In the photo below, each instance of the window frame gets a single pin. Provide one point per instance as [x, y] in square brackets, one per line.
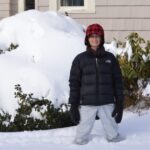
[21, 5]
[71, 5]
[89, 7]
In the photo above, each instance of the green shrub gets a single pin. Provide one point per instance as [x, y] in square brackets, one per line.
[10, 48]
[51, 117]
[136, 69]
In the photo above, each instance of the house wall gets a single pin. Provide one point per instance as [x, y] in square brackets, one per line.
[4, 9]
[42, 5]
[13, 7]
[118, 17]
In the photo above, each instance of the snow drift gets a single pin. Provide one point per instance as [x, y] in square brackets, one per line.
[48, 41]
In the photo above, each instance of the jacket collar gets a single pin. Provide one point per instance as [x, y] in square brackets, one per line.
[100, 51]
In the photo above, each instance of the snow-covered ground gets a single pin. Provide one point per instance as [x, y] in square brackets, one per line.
[135, 128]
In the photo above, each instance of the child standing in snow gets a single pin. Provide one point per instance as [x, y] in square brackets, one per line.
[96, 88]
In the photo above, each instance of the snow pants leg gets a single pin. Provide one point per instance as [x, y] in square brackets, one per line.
[87, 119]
[108, 122]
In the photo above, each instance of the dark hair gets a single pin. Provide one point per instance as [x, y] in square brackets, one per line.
[86, 42]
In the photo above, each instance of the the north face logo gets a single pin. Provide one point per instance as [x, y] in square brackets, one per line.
[107, 61]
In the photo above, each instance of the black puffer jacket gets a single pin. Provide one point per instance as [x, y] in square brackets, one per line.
[95, 78]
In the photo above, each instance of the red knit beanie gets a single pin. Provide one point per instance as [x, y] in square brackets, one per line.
[94, 29]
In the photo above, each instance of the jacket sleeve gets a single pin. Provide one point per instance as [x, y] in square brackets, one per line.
[117, 81]
[74, 82]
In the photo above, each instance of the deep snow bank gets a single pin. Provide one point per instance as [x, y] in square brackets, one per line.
[48, 42]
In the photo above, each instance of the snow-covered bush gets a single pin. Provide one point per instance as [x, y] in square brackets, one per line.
[48, 42]
[136, 70]
[34, 114]
[10, 48]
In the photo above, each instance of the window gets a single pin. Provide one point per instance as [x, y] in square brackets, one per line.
[72, 3]
[72, 6]
[29, 4]
[25, 5]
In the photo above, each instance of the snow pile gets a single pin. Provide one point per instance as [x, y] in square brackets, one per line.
[48, 42]
[135, 128]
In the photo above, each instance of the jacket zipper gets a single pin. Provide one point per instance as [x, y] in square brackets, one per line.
[97, 78]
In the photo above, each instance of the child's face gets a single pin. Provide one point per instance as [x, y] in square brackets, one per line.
[94, 40]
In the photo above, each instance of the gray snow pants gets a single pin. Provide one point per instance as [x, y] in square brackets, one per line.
[87, 118]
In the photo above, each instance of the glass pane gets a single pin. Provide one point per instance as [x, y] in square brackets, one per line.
[72, 2]
[29, 4]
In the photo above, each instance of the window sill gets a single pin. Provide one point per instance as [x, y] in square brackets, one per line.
[77, 10]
